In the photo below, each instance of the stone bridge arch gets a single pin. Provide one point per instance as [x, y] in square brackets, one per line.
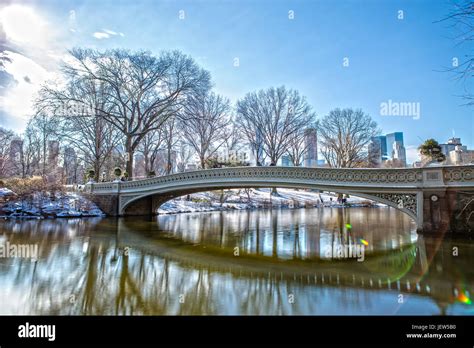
[148, 203]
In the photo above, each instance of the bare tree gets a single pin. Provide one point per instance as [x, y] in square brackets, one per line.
[6, 137]
[142, 90]
[31, 150]
[298, 146]
[204, 122]
[184, 155]
[344, 135]
[171, 136]
[71, 167]
[233, 143]
[461, 18]
[271, 118]
[150, 147]
[45, 128]
[81, 125]
[162, 144]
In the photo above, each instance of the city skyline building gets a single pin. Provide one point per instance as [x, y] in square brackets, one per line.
[456, 153]
[70, 166]
[53, 153]
[375, 151]
[311, 145]
[286, 161]
[399, 153]
[388, 147]
[15, 157]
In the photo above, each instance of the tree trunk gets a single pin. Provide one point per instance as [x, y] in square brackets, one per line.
[44, 157]
[97, 172]
[129, 163]
[168, 161]
[147, 162]
[129, 167]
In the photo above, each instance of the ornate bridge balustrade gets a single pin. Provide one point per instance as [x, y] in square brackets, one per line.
[432, 196]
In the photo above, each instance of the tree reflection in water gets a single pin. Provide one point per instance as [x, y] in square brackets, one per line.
[184, 264]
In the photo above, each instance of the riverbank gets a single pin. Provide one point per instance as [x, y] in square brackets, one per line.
[60, 205]
[72, 205]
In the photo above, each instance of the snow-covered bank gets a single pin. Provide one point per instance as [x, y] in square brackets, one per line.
[61, 205]
[71, 204]
[261, 198]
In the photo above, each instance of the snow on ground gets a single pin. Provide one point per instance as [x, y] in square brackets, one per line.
[73, 205]
[65, 205]
[257, 198]
[4, 192]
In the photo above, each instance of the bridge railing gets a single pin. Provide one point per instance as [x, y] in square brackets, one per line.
[417, 177]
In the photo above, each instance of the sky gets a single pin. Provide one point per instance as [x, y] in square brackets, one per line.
[366, 54]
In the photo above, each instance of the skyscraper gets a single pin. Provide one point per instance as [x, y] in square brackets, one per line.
[446, 148]
[53, 153]
[70, 166]
[392, 138]
[15, 157]
[399, 153]
[285, 161]
[382, 141]
[311, 145]
[387, 147]
[456, 153]
[397, 149]
[375, 152]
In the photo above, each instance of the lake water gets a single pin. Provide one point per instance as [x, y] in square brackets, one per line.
[319, 261]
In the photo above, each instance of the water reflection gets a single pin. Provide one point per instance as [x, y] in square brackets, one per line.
[292, 234]
[186, 264]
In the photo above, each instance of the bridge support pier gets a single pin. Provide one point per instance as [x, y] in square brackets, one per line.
[109, 204]
[444, 211]
[144, 206]
[435, 211]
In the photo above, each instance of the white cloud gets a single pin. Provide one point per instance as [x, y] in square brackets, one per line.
[18, 100]
[106, 34]
[35, 48]
[100, 35]
[412, 154]
[111, 32]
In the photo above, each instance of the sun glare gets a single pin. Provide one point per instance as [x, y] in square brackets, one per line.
[23, 25]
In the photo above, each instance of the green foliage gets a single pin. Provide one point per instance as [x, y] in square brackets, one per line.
[91, 173]
[431, 149]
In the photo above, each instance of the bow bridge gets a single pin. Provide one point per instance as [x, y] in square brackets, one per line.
[437, 198]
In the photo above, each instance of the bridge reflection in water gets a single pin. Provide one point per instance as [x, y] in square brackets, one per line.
[186, 264]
